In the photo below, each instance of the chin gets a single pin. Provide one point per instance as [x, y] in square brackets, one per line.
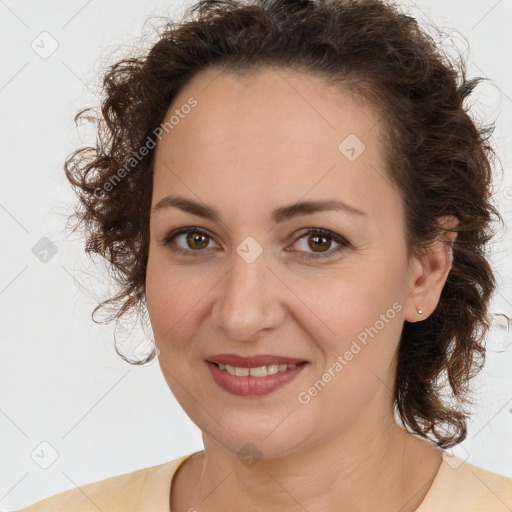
[257, 443]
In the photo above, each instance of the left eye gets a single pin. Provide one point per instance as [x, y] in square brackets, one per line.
[319, 239]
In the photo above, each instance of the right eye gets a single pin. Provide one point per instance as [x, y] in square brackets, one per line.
[195, 237]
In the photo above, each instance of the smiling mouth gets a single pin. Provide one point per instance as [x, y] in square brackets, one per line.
[257, 371]
[254, 381]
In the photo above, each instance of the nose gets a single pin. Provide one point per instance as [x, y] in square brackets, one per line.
[248, 301]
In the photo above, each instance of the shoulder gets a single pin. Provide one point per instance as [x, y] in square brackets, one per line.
[465, 487]
[129, 492]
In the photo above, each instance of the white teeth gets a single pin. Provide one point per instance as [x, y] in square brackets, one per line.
[259, 371]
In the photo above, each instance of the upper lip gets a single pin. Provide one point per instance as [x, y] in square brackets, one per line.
[253, 361]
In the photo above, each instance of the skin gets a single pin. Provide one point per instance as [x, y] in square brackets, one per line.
[254, 143]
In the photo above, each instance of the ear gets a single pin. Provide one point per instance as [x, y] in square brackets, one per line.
[428, 274]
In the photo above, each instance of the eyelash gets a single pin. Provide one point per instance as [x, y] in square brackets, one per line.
[310, 256]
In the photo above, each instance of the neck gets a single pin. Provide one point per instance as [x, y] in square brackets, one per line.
[386, 469]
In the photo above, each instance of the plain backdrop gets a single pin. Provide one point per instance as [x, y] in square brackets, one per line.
[71, 410]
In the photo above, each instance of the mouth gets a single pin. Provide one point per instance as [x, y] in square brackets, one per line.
[248, 378]
[253, 361]
[256, 371]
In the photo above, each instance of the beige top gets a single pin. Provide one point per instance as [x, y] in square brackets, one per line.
[457, 487]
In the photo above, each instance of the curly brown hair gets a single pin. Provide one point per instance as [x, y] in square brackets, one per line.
[437, 157]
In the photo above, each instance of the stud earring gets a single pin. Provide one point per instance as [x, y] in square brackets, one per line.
[419, 311]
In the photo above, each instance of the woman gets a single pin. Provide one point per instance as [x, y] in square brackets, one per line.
[297, 195]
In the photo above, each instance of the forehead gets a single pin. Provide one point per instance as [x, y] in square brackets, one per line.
[271, 137]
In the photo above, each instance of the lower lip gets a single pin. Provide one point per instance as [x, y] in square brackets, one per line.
[252, 386]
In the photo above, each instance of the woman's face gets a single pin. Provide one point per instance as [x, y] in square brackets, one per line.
[248, 284]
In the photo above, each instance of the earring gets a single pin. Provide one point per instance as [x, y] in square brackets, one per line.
[419, 311]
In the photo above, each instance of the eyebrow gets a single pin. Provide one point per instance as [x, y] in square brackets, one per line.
[281, 214]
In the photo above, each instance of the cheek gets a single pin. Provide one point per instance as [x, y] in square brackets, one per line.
[353, 321]
[339, 305]
[358, 366]
[169, 298]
